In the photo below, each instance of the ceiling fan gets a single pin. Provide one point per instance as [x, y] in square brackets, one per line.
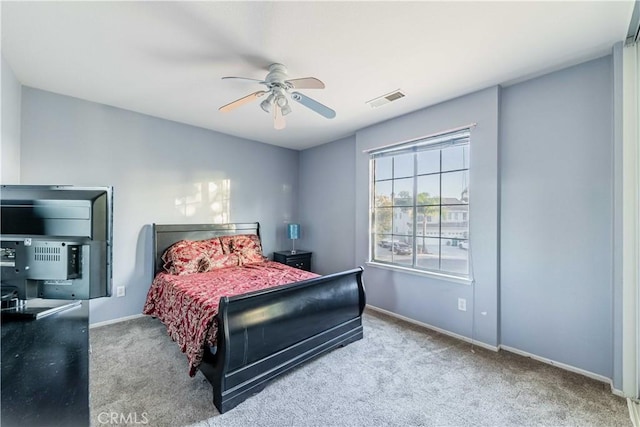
[279, 90]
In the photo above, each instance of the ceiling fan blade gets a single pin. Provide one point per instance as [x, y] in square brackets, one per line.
[314, 105]
[244, 78]
[305, 83]
[278, 119]
[242, 101]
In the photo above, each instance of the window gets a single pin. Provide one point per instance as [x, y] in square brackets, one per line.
[420, 204]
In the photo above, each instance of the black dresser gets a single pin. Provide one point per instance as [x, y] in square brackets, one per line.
[45, 370]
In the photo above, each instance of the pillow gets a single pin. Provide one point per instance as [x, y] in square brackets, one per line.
[246, 246]
[191, 256]
[250, 256]
[225, 242]
[221, 261]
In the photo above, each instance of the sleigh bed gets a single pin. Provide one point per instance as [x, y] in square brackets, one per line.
[241, 340]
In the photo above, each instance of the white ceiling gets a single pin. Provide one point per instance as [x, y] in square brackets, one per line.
[166, 59]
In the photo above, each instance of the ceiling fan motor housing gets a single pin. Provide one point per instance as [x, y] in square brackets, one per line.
[277, 75]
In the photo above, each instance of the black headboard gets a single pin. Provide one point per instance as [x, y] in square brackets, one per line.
[165, 235]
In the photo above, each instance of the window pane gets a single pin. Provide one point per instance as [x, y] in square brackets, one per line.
[428, 162]
[403, 221]
[457, 219]
[455, 187]
[420, 210]
[403, 192]
[401, 253]
[382, 240]
[455, 257]
[454, 158]
[428, 190]
[382, 220]
[381, 249]
[454, 227]
[383, 193]
[383, 168]
[428, 221]
[428, 253]
[403, 166]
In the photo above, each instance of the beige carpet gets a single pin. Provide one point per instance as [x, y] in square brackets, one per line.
[398, 375]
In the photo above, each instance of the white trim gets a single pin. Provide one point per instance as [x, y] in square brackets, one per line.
[634, 412]
[551, 362]
[561, 365]
[424, 273]
[433, 328]
[617, 392]
[114, 321]
[630, 224]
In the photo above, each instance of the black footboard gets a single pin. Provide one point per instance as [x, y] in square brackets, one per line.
[266, 333]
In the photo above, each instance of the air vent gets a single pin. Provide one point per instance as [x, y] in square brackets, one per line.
[385, 99]
[45, 253]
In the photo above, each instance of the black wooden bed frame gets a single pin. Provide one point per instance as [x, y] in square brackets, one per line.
[264, 334]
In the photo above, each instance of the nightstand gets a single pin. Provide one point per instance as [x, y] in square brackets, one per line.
[301, 259]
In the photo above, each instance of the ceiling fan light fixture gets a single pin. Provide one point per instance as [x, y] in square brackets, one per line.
[282, 102]
[267, 103]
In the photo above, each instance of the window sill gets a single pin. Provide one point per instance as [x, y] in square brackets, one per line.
[432, 275]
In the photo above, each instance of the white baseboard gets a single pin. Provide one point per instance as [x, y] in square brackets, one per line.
[503, 347]
[618, 392]
[634, 412]
[433, 328]
[561, 365]
[113, 321]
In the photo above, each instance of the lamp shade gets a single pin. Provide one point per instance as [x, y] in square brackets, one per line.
[293, 231]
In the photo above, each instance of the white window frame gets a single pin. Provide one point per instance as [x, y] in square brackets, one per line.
[441, 141]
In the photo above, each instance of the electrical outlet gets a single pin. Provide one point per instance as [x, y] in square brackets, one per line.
[120, 291]
[462, 304]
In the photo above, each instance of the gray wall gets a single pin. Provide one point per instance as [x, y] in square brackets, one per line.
[541, 203]
[327, 206]
[541, 212]
[425, 298]
[10, 146]
[338, 173]
[556, 229]
[153, 165]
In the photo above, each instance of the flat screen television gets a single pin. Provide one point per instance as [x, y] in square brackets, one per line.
[55, 243]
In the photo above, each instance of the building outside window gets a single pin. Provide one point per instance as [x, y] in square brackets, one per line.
[420, 204]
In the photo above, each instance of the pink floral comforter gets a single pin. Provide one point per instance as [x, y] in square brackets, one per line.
[188, 304]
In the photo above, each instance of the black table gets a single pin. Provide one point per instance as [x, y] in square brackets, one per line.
[45, 370]
[300, 259]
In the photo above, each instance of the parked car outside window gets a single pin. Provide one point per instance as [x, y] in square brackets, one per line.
[400, 248]
[386, 243]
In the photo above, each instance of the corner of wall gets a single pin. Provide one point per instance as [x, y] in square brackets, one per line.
[11, 124]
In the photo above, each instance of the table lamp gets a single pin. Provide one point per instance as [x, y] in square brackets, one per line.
[293, 233]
